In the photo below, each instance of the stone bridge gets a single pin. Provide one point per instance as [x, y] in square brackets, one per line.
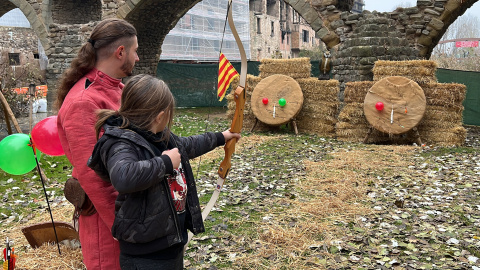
[356, 40]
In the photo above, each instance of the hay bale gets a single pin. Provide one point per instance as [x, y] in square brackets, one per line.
[316, 127]
[447, 95]
[448, 137]
[439, 113]
[318, 118]
[353, 113]
[452, 92]
[319, 109]
[349, 132]
[438, 125]
[320, 105]
[319, 90]
[420, 71]
[352, 125]
[356, 91]
[295, 67]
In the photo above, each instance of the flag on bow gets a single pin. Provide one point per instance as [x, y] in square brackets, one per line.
[226, 74]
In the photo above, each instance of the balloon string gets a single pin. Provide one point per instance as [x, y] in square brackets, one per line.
[45, 192]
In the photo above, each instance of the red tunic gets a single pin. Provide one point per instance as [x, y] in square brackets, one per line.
[76, 122]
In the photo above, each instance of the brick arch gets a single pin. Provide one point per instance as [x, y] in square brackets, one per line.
[153, 19]
[35, 21]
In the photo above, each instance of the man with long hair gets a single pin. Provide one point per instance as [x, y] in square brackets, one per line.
[93, 82]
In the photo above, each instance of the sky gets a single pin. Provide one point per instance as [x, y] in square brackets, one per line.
[390, 5]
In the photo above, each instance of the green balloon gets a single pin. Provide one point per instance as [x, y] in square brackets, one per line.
[16, 156]
[282, 102]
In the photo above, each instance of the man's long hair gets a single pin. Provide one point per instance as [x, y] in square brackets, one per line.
[104, 40]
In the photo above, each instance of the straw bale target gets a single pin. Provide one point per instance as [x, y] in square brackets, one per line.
[395, 105]
[267, 94]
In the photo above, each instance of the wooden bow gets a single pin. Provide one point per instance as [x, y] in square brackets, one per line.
[237, 122]
[239, 97]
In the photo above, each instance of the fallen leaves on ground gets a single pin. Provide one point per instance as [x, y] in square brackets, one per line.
[304, 202]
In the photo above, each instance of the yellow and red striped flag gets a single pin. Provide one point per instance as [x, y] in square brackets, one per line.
[226, 74]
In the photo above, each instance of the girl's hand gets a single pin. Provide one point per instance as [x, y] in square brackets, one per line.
[229, 135]
[174, 156]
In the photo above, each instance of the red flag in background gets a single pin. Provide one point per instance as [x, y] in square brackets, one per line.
[226, 74]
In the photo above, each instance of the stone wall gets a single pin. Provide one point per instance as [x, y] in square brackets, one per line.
[23, 41]
[18, 39]
[75, 12]
[66, 40]
[373, 36]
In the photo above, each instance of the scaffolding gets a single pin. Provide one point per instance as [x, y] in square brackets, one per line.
[198, 34]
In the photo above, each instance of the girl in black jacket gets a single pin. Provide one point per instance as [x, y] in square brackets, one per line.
[149, 167]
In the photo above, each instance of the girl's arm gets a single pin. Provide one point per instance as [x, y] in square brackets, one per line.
[130, 174]
[198, 145]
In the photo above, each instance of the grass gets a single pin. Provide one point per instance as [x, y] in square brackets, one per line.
[288, 198]
[442, 151]
[25, 190]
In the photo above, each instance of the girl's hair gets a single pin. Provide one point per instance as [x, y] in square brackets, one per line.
[143, 98]
[105, 38]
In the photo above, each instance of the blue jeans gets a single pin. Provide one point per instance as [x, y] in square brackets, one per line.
[128, 262]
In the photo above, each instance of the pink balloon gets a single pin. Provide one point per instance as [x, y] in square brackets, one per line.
[45, 137]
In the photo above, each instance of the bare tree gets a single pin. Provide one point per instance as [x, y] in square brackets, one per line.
[403, 4]
[449, 56]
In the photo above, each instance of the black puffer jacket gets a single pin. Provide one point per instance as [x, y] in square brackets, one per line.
[145, 217]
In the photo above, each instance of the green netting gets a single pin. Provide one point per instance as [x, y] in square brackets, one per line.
[471, 114]
[195, 85]
[316, 69]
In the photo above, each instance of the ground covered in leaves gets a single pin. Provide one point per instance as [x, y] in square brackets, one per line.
[299, 202]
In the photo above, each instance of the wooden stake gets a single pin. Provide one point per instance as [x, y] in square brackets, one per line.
[7, 120]
[10, 113]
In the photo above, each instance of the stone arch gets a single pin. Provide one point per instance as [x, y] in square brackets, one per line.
[440, 23]
[75, 12]
[357, 40]
[316, 21]
[35, 21]
[332, 20]
[6, 6]
[147, 16]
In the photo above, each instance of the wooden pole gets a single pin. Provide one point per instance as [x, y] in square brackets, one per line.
[7, 120]
[30, 113]
[9, 112]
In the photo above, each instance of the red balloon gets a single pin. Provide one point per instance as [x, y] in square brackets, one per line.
[379, 106]
[45, 137]
[265, 100]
